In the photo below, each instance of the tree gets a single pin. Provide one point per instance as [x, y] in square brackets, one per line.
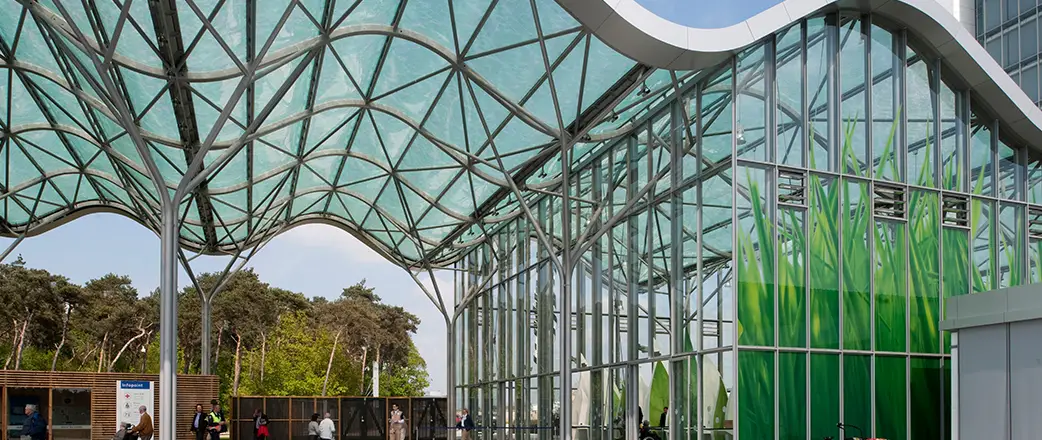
[410, 379]
[287, 344]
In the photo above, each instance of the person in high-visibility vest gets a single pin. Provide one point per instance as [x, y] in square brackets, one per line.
[215, 422]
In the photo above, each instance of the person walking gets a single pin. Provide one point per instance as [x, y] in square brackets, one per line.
[397, 424]
[326, 429]
[35, 426]
[465, 423]
[215, 422]
[256, 423]
[144, 429]
[199, 423]
[313, 427]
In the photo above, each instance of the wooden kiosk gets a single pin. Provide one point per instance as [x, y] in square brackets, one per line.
[82, 405]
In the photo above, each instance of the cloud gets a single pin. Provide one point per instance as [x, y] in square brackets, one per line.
[332, 238]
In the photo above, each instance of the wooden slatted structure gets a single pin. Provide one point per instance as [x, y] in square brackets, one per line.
[356, 418]
[191, 390]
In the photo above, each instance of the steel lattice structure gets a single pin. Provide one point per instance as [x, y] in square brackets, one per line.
[412, 126]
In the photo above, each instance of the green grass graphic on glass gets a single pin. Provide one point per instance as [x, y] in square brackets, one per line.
[756, 394]
[756, 274]
[824, 259]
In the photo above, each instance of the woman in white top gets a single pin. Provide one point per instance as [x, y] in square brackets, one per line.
[313, 427]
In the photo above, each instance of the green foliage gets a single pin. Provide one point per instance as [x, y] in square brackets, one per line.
[284, 341]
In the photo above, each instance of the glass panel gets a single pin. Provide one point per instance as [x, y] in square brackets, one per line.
[1011, 241]
[756, 394]
[750, 128]
[857, 264]
[70, 418]
[891, 398]
[983, 245]
[824, 395]
[1007, 180]
[857, 392]
[818, 61]
[792, 395]
[926, 397]
[952, 154]
[920, 131]
[852, 79]
[886, 112]
[891, 282]
[924, 272]
[824, 258]
[755, 261]
[789, 82]
[792, 294]
[17, 399]
[980, 156]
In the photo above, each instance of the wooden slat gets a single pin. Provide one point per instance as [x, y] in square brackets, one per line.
[191, 390]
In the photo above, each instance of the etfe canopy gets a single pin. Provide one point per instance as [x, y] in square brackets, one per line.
[412, 124]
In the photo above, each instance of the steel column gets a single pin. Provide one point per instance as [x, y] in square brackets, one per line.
[450, 368]
[207, 319]
[168, 238]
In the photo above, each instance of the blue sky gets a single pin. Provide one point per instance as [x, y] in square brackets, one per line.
[707, 13]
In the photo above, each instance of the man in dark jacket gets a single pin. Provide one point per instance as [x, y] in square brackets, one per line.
[35, 427]
[465, 423]
[199, 423]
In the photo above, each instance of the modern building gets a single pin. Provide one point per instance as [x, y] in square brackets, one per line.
[754, 226]
[1009, 31]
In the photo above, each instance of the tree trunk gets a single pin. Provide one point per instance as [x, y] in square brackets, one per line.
[217, 352]
[376, 370]
[361, 384]
[14, 343]
[141, 333]
[329, 365]
[101, 352]
[21, 342]
[144, 354]
[61, 343]
[238, 365]
[264, 352]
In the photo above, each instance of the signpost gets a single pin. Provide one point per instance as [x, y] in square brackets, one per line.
[131, 395]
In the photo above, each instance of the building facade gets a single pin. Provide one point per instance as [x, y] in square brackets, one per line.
[764, 250]
[1008, 29]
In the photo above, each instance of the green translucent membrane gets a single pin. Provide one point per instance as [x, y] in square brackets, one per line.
[824, 395]
[891, 275]
[926, 383]
[824, 257]
[792, 396]
[891, 398]
[756, 394]
[792, 295]
[857, 392]
[857, 266]
[955, 278]
[755, 265]
[924, 273]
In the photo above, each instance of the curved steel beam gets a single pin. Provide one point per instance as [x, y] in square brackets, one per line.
[638, 33]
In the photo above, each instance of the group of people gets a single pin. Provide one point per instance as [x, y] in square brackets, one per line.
[210, 424]
[326, 430]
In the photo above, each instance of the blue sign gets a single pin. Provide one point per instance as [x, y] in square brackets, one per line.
[135, 384]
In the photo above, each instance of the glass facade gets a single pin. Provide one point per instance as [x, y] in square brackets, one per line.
[1009, 30]
[765, 252]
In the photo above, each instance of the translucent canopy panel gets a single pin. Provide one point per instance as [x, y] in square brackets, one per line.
[409, 124]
